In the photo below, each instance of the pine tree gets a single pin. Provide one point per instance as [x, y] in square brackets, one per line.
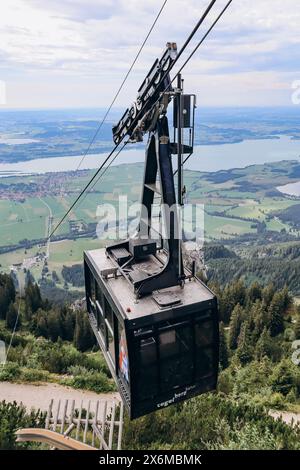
[284, 377]
[36, 300]
[225, 305]
[78, 333]
[287, 300]
[11, 317]
[70, 325]
[33, 299]
[89, 335]
[39, 324]
[3, 302]
[263, 345]
[235, 326]
[29, 278]
[254, 292]
[268, 294]
[245, 349]
[83, 335]
[238, 293]
[276, 312]
[260, 318]
[7, 294]
[233, 294]
[14, 278]
[223, 348]
[54, 327]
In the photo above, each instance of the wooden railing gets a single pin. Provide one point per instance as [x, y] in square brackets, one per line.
[99, 425]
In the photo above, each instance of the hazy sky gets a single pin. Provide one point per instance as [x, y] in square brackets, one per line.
[74, 53]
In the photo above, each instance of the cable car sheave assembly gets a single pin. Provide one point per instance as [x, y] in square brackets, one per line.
[155, 321]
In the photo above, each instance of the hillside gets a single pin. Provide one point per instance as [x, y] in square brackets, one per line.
[56, 133]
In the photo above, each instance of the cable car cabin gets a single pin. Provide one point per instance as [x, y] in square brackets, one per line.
[161, 348]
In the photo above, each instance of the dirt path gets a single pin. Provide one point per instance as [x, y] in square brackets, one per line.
[287, 417]
[39, 396]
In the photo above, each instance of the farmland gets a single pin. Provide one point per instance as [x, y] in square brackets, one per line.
[236, 203]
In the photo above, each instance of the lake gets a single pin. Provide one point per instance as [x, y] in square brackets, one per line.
[292, 189]
[206, 157]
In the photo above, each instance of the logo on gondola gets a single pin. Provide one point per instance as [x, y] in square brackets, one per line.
[176, 397]
[123, 357]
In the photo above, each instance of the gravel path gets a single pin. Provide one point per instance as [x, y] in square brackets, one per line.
[39, 396]
[286, 416]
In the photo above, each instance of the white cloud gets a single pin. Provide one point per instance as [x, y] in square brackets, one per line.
[94, 41]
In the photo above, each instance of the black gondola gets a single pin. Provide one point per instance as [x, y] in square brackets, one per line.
[155, 321]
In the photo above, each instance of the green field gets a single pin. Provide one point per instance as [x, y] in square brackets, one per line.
[233, 206]
[221, 227]
[62, 254]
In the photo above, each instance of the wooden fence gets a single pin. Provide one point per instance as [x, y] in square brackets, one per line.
[98, 424]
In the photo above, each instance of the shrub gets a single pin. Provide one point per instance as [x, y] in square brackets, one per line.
[276, 401]
[11, 371]
[250, 437]
[90, 380]
[285, 377]
[33, 375]
[210, 421]
[13, 417]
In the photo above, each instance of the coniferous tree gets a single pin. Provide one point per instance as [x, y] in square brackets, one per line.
[4, 302]
[14, 278]
[238, 293]
[10, 287]
[68, 323]
[233, 294]
[39, 324]
[268, 294]
[7, 294]
[33, 299]
[90, 337]
[254, 292]
[235, 326]
[260, 318]
[284, 377]
[276, 312]
[245, 349]
[54, 325]
[225, 305]
[11, 317]
[78, 333]
[263, 345]
[29, 278]
[287, 300]
[83, 335]
[223, 348]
